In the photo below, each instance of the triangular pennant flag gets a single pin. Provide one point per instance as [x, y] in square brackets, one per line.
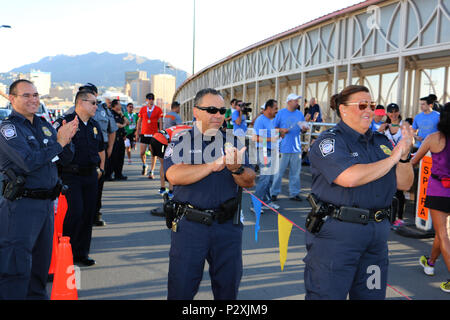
[257, 207]
[284, 232]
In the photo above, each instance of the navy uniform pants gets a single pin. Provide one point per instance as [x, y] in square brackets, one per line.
[192, 244]
[101, 182]
[26, 237]
[81, 206]
[346, 258]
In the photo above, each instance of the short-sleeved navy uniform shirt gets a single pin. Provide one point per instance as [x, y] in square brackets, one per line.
[192, 147]
[341, 147]
[31, 150]
[88, 141]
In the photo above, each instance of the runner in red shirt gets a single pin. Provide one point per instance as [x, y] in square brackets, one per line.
[148, 124]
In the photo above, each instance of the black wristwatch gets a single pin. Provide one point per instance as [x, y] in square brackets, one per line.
[407, 159]
[239, 171]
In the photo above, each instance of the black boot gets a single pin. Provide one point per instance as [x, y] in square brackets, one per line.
[98, 222]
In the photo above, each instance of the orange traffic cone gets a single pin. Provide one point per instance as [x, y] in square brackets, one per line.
[64, 282]
[54, 253]
[60, 214]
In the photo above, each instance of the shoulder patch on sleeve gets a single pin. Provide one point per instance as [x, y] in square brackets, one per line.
[326, 146]
[9, 131]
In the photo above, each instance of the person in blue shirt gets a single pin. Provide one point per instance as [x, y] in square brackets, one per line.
[355, 174]
[238, 119]
[288, 121]
[425, 122]
[31, 148]
[314, 114]
[206, 169]
[266, 137]
[377, 121]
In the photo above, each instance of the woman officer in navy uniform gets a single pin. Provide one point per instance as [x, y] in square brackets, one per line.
[354, 167]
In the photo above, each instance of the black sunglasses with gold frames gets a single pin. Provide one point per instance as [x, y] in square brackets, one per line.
[212, 110]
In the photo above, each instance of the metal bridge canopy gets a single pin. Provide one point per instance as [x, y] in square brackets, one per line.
[399, 49]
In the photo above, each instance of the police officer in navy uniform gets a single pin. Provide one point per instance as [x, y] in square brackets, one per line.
[206, 170]
[104, 118]
[29, 150]
[355, 174]
[82, 175]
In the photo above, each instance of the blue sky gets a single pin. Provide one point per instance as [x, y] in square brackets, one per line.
[154, 29]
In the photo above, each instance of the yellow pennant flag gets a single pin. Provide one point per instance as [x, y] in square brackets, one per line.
[284, 232]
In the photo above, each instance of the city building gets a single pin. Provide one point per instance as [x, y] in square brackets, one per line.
[41, 80]
[163, 87]
[137, 85]
[64, 93]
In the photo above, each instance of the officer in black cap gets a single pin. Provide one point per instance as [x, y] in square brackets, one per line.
[82, 175]
[206, 170]
[355, 173]
[29, 151]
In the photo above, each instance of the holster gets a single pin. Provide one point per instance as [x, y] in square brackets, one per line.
[229, 209]
[315, 218]
[169, 209]
[13, 189]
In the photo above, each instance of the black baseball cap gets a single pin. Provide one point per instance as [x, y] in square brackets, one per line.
[392, 107]
[89, 87]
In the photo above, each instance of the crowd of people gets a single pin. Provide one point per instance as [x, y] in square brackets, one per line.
[359, 168]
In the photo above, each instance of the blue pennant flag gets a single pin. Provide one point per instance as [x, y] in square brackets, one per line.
[257, 207]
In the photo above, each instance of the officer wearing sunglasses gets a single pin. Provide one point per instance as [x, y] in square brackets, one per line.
[82, 175]
[206, 170]
[355, 174]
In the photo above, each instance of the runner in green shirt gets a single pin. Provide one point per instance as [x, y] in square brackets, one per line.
[130, 130]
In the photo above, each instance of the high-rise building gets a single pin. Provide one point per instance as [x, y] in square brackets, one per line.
[41, 80]
[163, 87]
[65, 93]
[137, 85]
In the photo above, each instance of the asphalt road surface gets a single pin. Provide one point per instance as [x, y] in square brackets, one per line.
[132, 250]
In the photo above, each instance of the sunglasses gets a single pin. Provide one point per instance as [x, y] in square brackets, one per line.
[91, 102]
[362, 105]
[212, 110]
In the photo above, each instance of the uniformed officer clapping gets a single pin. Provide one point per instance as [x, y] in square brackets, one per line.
[82, 175]
[206, 170]
[29, 150]
[355, 174]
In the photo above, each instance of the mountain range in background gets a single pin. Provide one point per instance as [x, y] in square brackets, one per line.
[102, 69]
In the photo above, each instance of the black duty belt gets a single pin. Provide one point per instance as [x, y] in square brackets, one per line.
[359, 215]
[39, 194]
[79, 170]
[202, 216]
